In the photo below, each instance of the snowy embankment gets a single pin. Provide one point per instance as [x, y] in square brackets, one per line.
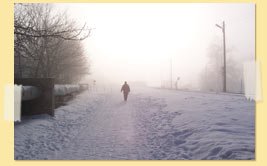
[153, 124]
[41, 136]
[193, 125]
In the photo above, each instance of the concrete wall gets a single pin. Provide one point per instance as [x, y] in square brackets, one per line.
[45, 103]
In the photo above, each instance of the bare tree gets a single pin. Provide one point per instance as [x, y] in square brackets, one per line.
[211, 78]
[38, 20]
[44, 40]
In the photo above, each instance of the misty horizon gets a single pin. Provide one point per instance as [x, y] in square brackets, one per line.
[137, 42]
[120, 81]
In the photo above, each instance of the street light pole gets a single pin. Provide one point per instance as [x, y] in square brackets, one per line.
[224, 55]
[178, 78]
[171, 72]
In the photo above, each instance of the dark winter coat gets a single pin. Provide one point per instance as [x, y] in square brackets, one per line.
[125, 88]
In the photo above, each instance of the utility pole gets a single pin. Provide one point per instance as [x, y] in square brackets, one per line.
[178, 78]
[224, 55]
[241, 85]
[171, 72]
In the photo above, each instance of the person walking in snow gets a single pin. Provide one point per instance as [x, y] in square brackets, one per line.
[125, 89]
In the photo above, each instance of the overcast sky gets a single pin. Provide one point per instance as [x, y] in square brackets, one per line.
[136, 42]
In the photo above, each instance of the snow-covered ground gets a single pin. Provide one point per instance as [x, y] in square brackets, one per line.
[153, 124]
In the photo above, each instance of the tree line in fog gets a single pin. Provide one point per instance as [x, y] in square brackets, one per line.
[47, 43]
[211, 78]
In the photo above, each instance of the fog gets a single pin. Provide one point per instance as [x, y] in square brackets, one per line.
[140, 42]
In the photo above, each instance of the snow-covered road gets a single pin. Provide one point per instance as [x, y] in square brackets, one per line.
[153, 124]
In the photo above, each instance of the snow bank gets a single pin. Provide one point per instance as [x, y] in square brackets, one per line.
[62, 90]
[196, 126]
[17, 102]
[41, 137]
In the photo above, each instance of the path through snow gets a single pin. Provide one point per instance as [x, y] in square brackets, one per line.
[153, 124]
